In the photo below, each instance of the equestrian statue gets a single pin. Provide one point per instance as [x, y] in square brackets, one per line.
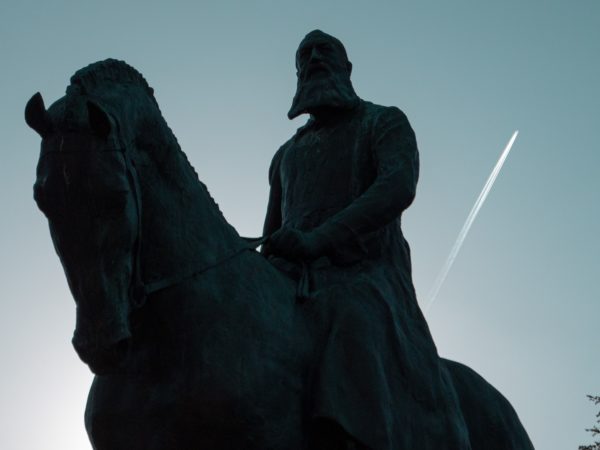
[199, 341]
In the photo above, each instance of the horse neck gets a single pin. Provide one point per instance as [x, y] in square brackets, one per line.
[182, 227]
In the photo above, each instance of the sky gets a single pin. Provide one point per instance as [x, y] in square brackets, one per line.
[521, 303]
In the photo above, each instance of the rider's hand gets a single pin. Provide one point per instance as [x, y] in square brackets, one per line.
[295, 245]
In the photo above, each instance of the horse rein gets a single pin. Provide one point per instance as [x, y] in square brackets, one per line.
[138, 289]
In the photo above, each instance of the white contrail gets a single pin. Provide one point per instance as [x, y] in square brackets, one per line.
[470, 218]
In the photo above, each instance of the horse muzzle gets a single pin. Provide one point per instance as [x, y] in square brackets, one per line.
[104, 358]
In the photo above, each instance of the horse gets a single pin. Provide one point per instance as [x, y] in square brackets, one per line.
[195, 339]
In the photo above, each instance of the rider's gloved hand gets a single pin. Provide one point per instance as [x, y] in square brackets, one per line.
[296, 245]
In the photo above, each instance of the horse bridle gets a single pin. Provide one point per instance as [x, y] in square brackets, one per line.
[138, 289]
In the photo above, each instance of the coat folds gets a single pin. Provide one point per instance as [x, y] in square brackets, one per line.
[376, 369]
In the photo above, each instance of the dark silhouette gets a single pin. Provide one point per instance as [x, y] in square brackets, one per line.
[199, 342]
[338, 190]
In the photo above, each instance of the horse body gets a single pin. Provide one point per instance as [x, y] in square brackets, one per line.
[215, 363]
[213, 360]
[196, 340]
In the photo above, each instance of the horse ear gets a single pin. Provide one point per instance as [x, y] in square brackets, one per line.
[36, 115]
[99, 120]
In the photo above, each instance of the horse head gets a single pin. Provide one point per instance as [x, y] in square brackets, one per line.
[84, 186]
[106, 150]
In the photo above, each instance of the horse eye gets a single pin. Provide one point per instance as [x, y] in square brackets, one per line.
[37, 191]
[111, 204]
[50, 203]
[40, 197]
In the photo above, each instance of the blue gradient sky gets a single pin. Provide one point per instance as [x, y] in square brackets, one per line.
[521, 304]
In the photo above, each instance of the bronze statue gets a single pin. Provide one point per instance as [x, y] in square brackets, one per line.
[338, 189]
[199, 342]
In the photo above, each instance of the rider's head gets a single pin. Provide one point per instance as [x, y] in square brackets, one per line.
[323, 71]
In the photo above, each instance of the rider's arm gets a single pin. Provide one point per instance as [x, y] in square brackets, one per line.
[396, 159]
[273, 217]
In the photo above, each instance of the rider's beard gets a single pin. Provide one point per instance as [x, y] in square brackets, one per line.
[331, 91]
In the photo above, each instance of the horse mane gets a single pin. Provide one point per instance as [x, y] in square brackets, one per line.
[96, 77]
[107, 72]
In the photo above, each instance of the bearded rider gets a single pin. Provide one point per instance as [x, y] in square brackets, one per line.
[338, 190]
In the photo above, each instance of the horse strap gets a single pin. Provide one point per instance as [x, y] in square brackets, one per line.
[159, 285]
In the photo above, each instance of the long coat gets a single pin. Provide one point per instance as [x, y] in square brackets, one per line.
[376, 369]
